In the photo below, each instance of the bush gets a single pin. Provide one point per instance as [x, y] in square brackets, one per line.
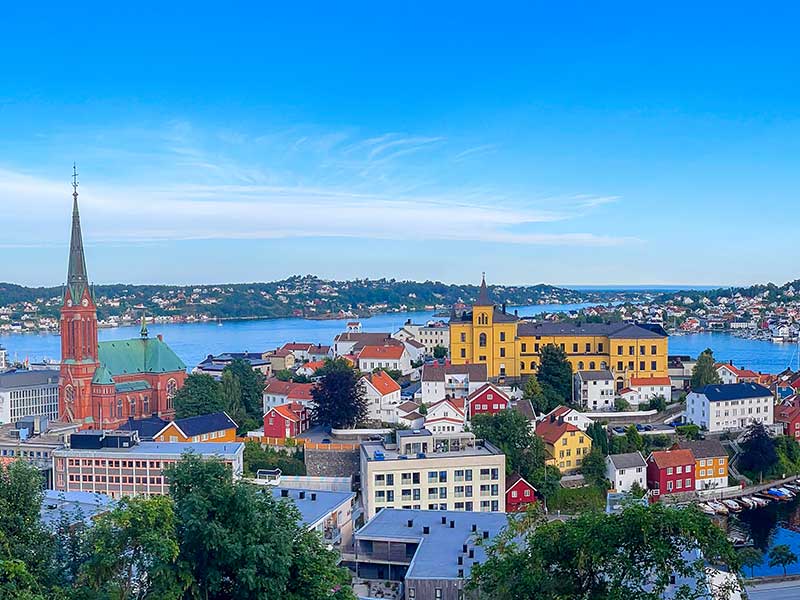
[577, 500]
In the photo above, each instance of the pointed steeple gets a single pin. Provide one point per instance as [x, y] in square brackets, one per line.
[143, 332]
[77, 278]
[483, 293]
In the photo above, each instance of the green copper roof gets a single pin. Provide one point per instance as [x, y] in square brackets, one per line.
[144, 355]
[102, 376]
[77, 278]
[132, 386]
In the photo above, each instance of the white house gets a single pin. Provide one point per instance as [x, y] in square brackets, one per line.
[430, 335]
[415, 349]
[594, 390]
[730, 374]
[623, 470]
[719, 407]
[382, 394]
[641, 389]
[394, 358]
[456, 381]
[446, 416]
[570, 415]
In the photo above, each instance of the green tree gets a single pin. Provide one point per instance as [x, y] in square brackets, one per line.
[634, 439]
[510, 431]
[621, 405]
[751, 558]
[439, 352]
[16, 583]
[283, 375]
[555, 375]
[781, 556]
[232, 397]
[236, 541]
[251, 383]
[338, 396]
[133, 552]
[637, 491]
[201, 394]
[704, 373]
[23, 538]
[599, 434]
[600, 556]
[690, 431]
[547, 481]
[758, 450]
[593, 469]
[658, 403]
[533, 393]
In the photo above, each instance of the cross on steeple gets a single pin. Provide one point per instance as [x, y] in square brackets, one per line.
[75, 181]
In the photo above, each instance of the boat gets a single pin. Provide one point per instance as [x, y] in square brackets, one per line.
[718, 507]
[732, 505]
[706, 508]
[749, 502]
[759, 500]
[740, 541]
[792, 486]
[789, 493]
[778, 494]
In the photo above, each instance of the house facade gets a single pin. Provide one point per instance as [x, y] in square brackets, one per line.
[277, 392]
[519, 493]
[711, 463]
[731, 406]
[286, 420]
[670, 472]
[455, 381]
[446, 416]
[623, 470]
[214, 427]
[488, 399]
[382, 394]
[391, 357]
[646, 388]
[594, 390]
[565, 444]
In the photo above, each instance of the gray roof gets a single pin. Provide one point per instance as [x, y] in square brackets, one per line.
[602, 375]
[74, 506]
[23, 379]
[610, 330]
[476, 372]
[498, 316]
[437, 554]
[316, 505]
[709, 448]
[156, 449]
[629, 460]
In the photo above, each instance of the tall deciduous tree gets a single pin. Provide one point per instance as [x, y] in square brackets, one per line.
[510, 431]
[704, 372]
[133, 552]
[599, 434]
[232, 397]
[238, 542]
[251, 383]
[338, 396]
[750, 558]
[593, 469]
[781, 556]
[758, 450]
[201, 394]
[599, 556]
[533, 393]
[555, 375]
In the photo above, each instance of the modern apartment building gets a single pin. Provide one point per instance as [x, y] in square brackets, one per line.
[423, 470]
[117, 464]
[726, 406]
[28, 394]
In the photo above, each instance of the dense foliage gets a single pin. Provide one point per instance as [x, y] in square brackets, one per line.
[555, 376]
[626, 556]
[758, 451]
[201, 394]
[210, 539]
[256, 458]
[704, 371]
[338, 395]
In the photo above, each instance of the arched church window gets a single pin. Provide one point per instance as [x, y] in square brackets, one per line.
[580, 365]
[592, 365]
[69, 394]
[119, 408]
[132, 406]
[482, 340]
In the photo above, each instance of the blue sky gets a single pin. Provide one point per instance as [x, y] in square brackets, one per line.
[567, 143]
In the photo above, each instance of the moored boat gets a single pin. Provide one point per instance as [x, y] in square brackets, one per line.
[718, 507]
[706, 508]
[732, 505]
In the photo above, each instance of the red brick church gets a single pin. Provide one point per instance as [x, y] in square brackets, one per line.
[102, 384]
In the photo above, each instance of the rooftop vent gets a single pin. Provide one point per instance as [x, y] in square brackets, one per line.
[486, 535]
[284, 493]
[444, 520]
[452, 524]
[426, 530]
[302, 496]
[410, 523]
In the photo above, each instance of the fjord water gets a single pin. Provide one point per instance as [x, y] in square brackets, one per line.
[194, 341]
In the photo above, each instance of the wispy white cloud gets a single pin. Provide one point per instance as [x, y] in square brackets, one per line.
[474, 151]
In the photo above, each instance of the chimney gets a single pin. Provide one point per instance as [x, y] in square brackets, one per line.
[426, 530]
[160, 337]
[552, 418]
[516, 312]
[560, 420]
[313, 496]
[410, 523]
[444, 520]
[284, 493]
[452, 524]
[504, 308]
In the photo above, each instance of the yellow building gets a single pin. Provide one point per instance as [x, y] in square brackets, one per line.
[710, 463]
[566, 445]
[214, 427]
[511, 347]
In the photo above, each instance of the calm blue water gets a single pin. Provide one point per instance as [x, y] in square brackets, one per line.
[194, 341]
[776, 523]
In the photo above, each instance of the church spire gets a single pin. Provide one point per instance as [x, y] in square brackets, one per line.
[483, 293]
[77, 279]
[143, 332]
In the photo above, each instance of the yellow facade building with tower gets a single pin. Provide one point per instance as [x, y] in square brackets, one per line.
[510, 347]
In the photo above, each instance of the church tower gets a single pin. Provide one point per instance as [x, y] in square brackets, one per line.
[79, 348]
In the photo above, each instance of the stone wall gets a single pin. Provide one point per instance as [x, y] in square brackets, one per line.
[332, 463]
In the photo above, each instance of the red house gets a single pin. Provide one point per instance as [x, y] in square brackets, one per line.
[286, 420]
[487, 399]
[670, 472]
[788, 415]
[519, 493]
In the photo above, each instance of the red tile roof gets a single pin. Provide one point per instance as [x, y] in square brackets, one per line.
[285, 410]
[485, 387]
[294, 391]
[297, 346]
[384, 384]
[382, 352]
[672, 458]
[552, 431]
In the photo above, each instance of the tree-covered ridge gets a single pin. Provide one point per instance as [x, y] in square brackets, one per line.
[308, 296]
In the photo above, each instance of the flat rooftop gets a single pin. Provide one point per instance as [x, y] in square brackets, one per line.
[161, 449]
[438, 551]
[316, 505]
[481, 448]
[74, 506]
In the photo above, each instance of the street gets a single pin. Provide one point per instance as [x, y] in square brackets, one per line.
[785, 590]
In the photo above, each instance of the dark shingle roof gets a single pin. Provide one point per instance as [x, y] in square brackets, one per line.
[438, 372]
[147, 427]
[604, 375]
[20, 379]
[733, 391]
[710, 448]
[205, 423]
[610, 330]
[628, 460]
